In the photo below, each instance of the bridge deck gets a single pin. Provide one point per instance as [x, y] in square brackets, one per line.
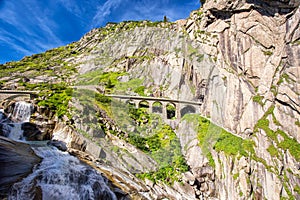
[153, 99]
[95, 88]
[18, 92]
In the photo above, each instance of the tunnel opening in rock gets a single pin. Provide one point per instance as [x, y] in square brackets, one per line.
[187, 109]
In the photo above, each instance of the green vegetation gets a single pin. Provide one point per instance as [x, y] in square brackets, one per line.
[263, 123]
[107, 79]
[235, 176]
[112, 28]
[209, 133]
[233, 145]
[268, 53]
[211, 161]
[166, 19]
[155, 139]
[199, 13]
[274, 90]
[200, 57]
[85, 134]
[110, 82]
[296, 42]
[288, 143]
[258, 99]
[53, 96]
[297, 123]
[89, 78]
[289, 193]
[50, 63]
[193, 51]
[297, 189]
[241, 194]
[151, 136]
[164, 147]
[211, 136]
[134, 85]
[140, 116]
[285, 77]
[273, 151]
[171, 111]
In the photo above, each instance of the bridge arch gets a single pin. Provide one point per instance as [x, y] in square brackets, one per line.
[187, 109]
[171, 110]
[144, 104]
[130, 102]
[157, 107]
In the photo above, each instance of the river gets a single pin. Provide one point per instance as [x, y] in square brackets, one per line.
[59, 175]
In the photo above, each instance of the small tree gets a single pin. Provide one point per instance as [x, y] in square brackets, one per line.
[166, 19]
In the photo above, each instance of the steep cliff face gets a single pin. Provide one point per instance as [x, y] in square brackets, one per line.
[257, 58]
[253, 91]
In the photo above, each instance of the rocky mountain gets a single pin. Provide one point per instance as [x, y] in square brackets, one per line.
[241, 58]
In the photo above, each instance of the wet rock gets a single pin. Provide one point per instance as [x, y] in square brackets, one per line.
[31, 131]
[17, 160]
[58, 144]
[5, 129]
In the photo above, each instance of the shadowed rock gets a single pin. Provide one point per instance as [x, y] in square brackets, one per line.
[58, 144]
[31, 131]
[16, 161]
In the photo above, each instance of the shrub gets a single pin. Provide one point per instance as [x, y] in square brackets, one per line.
[221, 140]
[165, 148]
[258, 99]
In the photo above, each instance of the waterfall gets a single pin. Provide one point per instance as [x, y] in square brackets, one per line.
[61, 176]
[22, 111]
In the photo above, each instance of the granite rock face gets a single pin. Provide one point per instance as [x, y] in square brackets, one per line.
[255, 46]
[257, 55]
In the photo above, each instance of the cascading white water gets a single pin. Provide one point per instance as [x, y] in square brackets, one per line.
[22, 111]
[61, 176]
[15, 131]
[3, 118]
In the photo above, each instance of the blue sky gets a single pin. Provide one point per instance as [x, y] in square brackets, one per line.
[33, 26]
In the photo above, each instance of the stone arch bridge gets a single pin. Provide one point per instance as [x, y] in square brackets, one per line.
[169, 108]
[18, 95]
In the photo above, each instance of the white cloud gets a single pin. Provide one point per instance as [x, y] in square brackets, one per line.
[11, 42]
[72, 7]
[30, 33]
[104, 11]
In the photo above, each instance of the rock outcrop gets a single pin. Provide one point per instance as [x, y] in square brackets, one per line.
[17, 161]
